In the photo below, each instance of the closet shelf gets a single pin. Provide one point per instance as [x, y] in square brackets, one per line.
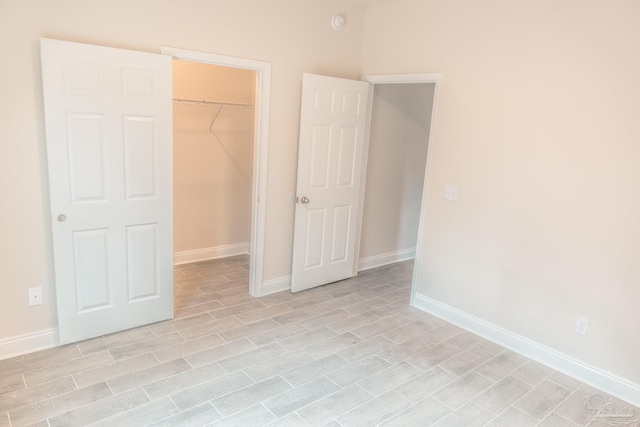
[193, 107]
[201, 102]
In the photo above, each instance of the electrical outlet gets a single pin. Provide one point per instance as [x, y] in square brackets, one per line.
[35, 296]
[582, 325]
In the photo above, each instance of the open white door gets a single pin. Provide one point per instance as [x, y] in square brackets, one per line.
[330, 156]
[108, 127]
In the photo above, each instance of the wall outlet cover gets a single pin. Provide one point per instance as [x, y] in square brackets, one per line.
[35, 296]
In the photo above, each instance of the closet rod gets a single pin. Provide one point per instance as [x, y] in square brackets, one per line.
[207, 102]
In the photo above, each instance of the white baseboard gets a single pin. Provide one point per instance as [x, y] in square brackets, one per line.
[276, 285]
[605, 381]
[284, 283]
[28, 343]
[385, 259]
[205, 254]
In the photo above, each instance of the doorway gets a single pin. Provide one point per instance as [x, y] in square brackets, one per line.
[213, 109]
[398, 163]
[261, 72]
[393, 207]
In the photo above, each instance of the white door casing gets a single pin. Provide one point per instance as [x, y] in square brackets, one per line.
[108, 127]
[436, 79]
[260, 152]
[330, 156]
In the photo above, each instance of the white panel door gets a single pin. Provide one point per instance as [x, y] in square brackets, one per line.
[108, 128]
[330, 157]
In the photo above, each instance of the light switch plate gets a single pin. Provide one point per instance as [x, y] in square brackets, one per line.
[451, 192]
[582, 326]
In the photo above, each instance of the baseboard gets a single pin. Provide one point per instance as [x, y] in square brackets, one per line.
[205, 254]
[28, 343]
[284, 283]
[276, 285]
[568, 365]
[385, 259]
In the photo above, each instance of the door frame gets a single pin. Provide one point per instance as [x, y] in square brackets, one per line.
[260, 150]
[374, 79]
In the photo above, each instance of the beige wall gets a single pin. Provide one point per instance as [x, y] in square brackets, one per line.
[212, 171]
[294, 35]
[196, 80]
[400, 121]
[537, 124]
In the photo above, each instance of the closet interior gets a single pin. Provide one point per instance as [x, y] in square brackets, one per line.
[213, 128]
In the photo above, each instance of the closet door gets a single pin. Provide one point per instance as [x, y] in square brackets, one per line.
[108, 129]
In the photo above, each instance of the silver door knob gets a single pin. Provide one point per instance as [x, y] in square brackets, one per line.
[62, 218]
[304, 200]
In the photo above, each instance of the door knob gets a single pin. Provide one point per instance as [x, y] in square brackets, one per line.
[62, 218]
[304, 200]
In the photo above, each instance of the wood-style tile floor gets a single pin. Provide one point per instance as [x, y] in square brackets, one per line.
[353, 353]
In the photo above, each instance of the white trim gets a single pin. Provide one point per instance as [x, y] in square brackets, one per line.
[276, 285]
[260, 150]
[363, 181]
[436, 79]
[205, 254]
[403, 78]
[385, 259]
[605, 381]
[28, 343]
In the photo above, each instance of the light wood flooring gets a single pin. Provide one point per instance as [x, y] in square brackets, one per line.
[353, 353]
